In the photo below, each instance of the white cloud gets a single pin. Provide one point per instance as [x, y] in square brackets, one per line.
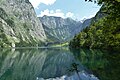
[57, 13]
[69, 14]
[36, 3]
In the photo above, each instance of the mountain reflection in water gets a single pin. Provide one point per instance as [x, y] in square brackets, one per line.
[50, 64]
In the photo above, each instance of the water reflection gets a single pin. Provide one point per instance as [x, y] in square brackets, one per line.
[29, 64]
[52, 64]
[105, 65]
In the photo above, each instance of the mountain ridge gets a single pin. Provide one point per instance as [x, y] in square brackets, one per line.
[61, 29]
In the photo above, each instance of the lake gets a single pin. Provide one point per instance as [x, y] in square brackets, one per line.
[58, 64]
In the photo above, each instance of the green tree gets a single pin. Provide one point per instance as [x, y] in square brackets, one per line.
[103, 33]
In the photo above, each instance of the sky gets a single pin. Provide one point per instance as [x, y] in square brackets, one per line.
[75, 9]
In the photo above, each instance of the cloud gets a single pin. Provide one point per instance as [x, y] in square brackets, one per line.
[36, 3]
[47, 12]
[57, 13]
[69, 14]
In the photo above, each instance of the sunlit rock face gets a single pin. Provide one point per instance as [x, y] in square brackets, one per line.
[58, 29]
[19, 23]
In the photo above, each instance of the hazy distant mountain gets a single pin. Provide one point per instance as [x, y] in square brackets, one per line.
[58, 29]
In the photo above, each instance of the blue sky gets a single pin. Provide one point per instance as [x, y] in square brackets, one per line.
[76, 9]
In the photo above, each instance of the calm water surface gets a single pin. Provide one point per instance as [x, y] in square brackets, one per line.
[58, 64]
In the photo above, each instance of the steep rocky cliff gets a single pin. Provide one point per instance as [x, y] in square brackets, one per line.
[58, 29]
[19, 24]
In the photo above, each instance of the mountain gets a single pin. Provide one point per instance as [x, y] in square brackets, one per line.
[86, 36]
[104, 31]
[86, 23]
[58, 29]
[19, 25]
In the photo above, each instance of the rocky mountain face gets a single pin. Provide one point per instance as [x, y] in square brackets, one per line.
[58, 29]
[86, 23]
[19, 24]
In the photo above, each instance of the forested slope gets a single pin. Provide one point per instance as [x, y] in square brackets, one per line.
[103, 33]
